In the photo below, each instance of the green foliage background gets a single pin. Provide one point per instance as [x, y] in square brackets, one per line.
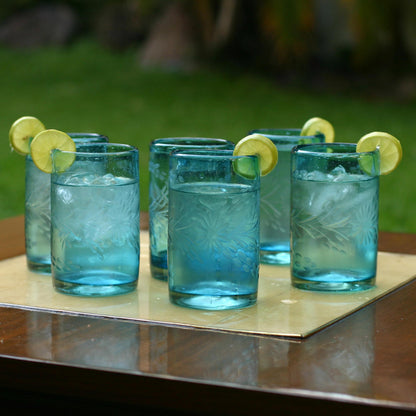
[87, 88]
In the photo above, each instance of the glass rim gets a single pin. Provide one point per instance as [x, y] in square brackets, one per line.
[176, 141]
[122, 149]
[207, 154]
[305, 149]
[80, 134]
[272, 133]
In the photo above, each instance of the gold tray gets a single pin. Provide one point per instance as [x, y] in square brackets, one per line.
[280, 310]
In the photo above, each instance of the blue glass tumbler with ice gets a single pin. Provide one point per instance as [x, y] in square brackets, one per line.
[213, 230]
[38, 209]
[334, 217]
[275, 196]
[95, 230]
[160, 150]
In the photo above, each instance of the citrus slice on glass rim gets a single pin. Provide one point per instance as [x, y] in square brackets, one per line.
[45, 142]
[22, 131]
[389, 147]
[318, 125]
[262, 147]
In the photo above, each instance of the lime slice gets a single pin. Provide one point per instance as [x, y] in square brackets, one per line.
[45, 142]
[317, 125]
[256, 144]
[389, 147]
[22, 131]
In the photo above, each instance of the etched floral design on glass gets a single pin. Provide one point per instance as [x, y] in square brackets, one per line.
[160, 150]
[207, 240]
[334, 219]
[275, 197]
[213, 232]
[38, 209]
[37, 218]
[96, 222]
[158, 208]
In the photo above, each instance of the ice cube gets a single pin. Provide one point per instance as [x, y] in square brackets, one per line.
[109, 179]
[65, 195]
[338, 174]
[339, 170]
[314, 175]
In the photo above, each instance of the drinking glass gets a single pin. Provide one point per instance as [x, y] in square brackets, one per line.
[213, 230]
[95, 221]
[160, 149]
[38, 209]
[275, 196]
[334, 217]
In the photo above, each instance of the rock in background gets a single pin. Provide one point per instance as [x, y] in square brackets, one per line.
[42, 25]
[171, 41]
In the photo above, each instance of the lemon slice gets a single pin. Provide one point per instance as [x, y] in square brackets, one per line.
[255, 144]
[45, 142]
[389, 147]
[317, 125]
[22, 131]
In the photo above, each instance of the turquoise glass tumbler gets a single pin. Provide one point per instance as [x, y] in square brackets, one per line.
[275, 196]
[95, 230]
[213, 230]
[160, 149]
[334, 217]
[38, 209]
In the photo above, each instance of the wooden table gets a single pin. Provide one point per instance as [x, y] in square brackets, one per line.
[363, 364]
